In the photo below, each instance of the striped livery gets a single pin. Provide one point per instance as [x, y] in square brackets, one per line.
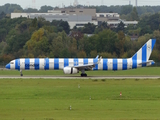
[140, 59]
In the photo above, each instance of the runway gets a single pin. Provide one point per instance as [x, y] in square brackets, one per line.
[78, 77]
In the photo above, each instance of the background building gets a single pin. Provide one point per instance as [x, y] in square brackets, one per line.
[78, 17]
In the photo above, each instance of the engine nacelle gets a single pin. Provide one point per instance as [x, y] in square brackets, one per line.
[70, 70]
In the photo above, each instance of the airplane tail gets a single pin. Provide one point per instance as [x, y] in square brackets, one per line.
[145, 51]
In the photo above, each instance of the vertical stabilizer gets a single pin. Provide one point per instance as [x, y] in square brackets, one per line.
[145, 51]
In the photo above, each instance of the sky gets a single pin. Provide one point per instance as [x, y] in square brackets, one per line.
[53, 3]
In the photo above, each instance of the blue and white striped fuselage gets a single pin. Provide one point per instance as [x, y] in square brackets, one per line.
[61, 63]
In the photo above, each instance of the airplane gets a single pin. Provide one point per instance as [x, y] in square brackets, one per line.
[74, 65]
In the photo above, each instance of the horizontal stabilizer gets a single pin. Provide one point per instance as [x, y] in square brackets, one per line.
[148, 62]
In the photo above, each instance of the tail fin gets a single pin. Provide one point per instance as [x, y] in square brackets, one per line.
[145, 51]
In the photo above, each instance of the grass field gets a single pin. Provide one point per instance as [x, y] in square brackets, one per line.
[140, 71]
[48, 99]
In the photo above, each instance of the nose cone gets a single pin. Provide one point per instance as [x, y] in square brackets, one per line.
[8, 66]
[152, 63]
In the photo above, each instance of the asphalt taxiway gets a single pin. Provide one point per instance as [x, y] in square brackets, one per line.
[78, 77]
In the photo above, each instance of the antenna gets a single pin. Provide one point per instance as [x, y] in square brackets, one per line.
[33, 4]
[88, 4]
[136, 3]
[75, 3]
[102, 2]
[129, 2]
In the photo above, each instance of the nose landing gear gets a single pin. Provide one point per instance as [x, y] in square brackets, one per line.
[21, 74]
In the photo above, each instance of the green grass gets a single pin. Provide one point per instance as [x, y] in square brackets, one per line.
[140, 71]
[48, 99]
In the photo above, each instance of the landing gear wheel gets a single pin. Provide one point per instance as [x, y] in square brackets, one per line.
[83, 75]
[21, 74]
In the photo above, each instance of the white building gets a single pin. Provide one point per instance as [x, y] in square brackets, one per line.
[73, 20]
[114, 24]
[108, 15]
[78, 17]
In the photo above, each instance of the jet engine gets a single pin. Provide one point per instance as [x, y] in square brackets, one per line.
[70, 70]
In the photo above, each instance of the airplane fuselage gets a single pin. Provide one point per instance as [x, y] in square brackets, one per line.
[61, 63]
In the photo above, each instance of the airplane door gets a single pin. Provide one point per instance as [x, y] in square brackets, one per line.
[42, 64]
[31, 64]
[129, 64]
[18, 64]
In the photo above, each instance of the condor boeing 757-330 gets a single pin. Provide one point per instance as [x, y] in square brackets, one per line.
[74, 65]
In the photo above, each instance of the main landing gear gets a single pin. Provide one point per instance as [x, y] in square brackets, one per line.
[21, 74]
[83, 73]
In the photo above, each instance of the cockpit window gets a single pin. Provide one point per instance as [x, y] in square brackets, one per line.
[11, 62]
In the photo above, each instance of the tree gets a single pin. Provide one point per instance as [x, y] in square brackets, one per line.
[106, 41]
[120, 27]
[23, 26]
[73, 47]
[3, 34]
[45, 9]
[90, 44]
[63, 46]
[108, 55]
[9, 8]
[101, 27]
[120, 44]
[65, 26]
[31, 10]
[2, 15]
[41, 22]
[156, 35]
[81, 54]
[134, 14]
[154, 22]
[57, 46]
[127, 9]
[2, 47]
[38, 44]
[34, 23]
[65, 53]
[93, 53]
[77, 35]
[149, 24]
[89, 28]
[16, 41]
[155, 56]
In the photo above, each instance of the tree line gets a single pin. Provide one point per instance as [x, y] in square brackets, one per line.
[122, 10]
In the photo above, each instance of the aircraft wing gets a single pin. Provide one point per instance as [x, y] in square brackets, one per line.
[88, 66]
[85, 67]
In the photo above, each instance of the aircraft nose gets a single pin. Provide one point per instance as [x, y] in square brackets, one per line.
[8, 66]
[153, 63]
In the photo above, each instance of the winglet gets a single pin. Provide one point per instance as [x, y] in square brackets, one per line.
[96, 60]
[99, 60]
[97, 57]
